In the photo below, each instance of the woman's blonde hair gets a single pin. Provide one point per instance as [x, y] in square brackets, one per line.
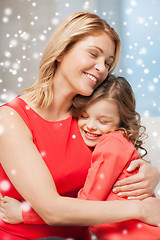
[116, 89]
[71, 30]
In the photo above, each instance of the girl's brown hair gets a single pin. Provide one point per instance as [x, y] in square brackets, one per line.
[116, 89]
[71, 30]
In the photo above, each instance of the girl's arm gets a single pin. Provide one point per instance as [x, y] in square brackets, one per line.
[109, 161]
[34, 182]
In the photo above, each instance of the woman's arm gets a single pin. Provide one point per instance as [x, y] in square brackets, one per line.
[34, 182]
[107, 165]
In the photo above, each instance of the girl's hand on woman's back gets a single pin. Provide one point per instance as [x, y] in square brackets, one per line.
[10, 210]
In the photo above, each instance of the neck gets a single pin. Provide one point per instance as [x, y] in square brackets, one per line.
[62, 96]
[60, 106]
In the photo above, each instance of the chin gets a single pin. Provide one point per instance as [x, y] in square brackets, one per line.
[89, 144]
[87, 92]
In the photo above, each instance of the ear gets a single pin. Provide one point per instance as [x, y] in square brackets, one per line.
[60, 57]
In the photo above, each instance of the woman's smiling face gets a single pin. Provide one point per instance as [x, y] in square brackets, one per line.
[86, 64]
[97, 119]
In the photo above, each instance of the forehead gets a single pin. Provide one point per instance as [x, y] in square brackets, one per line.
[102, 41]
[102, 107]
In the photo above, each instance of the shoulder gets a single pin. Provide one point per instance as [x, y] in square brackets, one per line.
[116, 140]
[7, 113]
[114, 147]
[11, 121]
[113, 136]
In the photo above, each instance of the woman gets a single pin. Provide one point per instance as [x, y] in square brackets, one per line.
[41, 140]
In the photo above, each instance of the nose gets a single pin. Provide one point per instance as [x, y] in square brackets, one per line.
[100, 67]
[91, 125]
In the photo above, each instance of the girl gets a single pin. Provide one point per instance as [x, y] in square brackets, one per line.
[41, 140]
[108, 117]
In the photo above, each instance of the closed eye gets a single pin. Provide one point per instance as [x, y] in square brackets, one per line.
[103, 121]
[107, 64]
[83, 116]
[93, 54]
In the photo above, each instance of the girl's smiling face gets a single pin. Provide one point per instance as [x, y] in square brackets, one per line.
[99, 118]
[86, 64]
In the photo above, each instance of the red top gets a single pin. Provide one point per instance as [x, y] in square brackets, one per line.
[68, 159]
[110, 159]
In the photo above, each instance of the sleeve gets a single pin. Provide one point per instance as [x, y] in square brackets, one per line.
[109, 159]
[31, 217]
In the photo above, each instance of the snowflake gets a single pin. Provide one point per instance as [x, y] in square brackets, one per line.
[55, 21]
[155, 134]
[43, 153]
[5, 19]
[133, 3]
[99, 187]
[86, 5]
[20, 79]
[34, 4]
[1, 129]
[146, 70]
[125, 231]
[25, 206]
[101, 175]
[129, 11]
[129, 71]
[143, 51]
[13, 172]
[139, 62]
[5, 185]
[67, 5]
[42, 37]
[8, 11]
[139, 225]
[155, 80]
[27, 107]
[73, 136]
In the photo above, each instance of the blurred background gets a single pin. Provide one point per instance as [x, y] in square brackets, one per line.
[26, 25]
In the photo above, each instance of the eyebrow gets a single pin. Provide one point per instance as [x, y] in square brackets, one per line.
[101, 50]
[106, 116]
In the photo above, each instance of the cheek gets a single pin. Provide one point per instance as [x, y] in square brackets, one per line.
[81, 124]
[105, 129]
[103, 78]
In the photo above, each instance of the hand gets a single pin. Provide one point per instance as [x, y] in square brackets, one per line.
[140, 185]
[10, 210]
[150, 211]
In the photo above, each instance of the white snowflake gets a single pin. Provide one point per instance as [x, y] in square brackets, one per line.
[13, 172]
[25, 206]
[73, 136]
[125, 231]
[5, 185]
[43, 153]
[55, 21]
[146, 70]
[151, 87]
[1, 129]
[155, 134]
[8, 11]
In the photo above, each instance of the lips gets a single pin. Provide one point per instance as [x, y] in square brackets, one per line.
[91, 136]
[92, 78]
